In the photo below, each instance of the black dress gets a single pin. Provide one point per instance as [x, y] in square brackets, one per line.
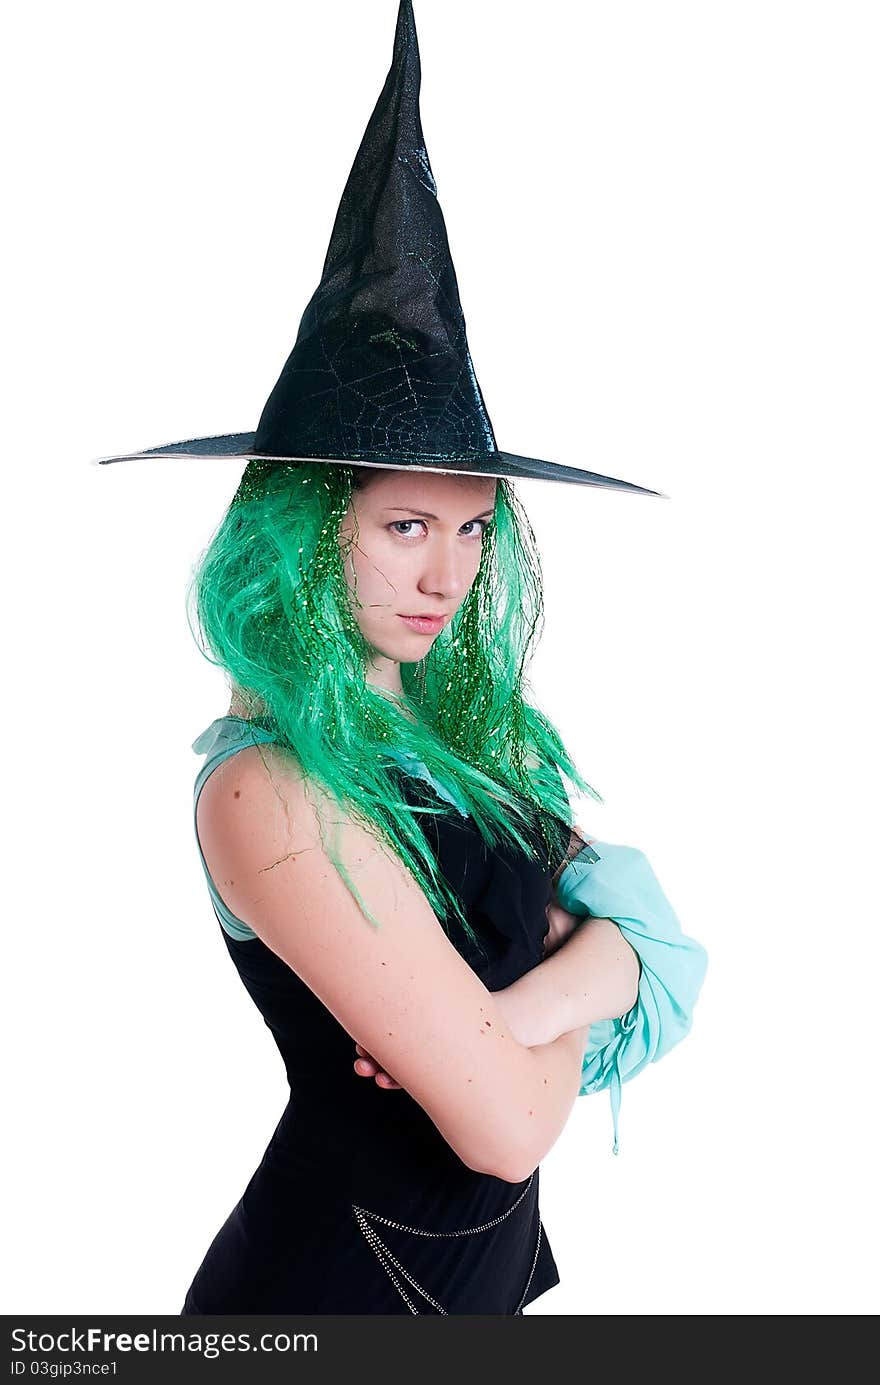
[359, 1205]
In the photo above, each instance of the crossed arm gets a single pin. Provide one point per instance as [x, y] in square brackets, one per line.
[589, 972]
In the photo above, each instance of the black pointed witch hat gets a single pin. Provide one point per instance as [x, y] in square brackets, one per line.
[381, 374]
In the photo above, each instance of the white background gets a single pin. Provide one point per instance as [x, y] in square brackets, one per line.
[664, 221]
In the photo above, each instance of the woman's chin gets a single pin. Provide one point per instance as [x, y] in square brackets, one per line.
[408, 649]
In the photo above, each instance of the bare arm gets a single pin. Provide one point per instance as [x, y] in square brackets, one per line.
[594, 975]
[596, 978]
[578, 982]
[593, 978]
[402, 991]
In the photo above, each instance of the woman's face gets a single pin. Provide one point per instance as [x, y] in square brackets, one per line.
[411, 543]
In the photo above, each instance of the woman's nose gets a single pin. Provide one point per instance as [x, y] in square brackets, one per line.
[447, 574]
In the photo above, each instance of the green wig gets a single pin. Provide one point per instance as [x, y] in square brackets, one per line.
[273, 609]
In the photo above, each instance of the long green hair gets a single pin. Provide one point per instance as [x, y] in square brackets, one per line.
[268, 602]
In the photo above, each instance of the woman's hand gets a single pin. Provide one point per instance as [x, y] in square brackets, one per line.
[365, 1065]
[562, 925]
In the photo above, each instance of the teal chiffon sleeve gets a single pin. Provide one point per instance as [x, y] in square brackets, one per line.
[617, 882]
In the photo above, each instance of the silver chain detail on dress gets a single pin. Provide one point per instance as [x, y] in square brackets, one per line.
[386, 1258]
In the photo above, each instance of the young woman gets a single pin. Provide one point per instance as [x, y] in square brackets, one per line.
[381, 817]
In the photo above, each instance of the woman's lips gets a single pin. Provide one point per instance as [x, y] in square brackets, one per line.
[426, 625]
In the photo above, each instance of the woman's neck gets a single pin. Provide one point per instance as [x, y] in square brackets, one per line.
[255, 707]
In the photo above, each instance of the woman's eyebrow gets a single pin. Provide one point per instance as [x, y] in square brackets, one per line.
[423, 514]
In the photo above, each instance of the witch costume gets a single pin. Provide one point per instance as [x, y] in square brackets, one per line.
[359, 1205]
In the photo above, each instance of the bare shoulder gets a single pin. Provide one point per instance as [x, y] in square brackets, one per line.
[250, 801]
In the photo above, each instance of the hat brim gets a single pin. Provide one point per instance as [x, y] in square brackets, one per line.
[497, 464]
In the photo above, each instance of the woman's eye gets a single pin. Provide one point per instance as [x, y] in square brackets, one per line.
[398, 525]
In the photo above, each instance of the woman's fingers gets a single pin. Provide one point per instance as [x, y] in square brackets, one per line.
[366, 1066]
[385, 1079]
